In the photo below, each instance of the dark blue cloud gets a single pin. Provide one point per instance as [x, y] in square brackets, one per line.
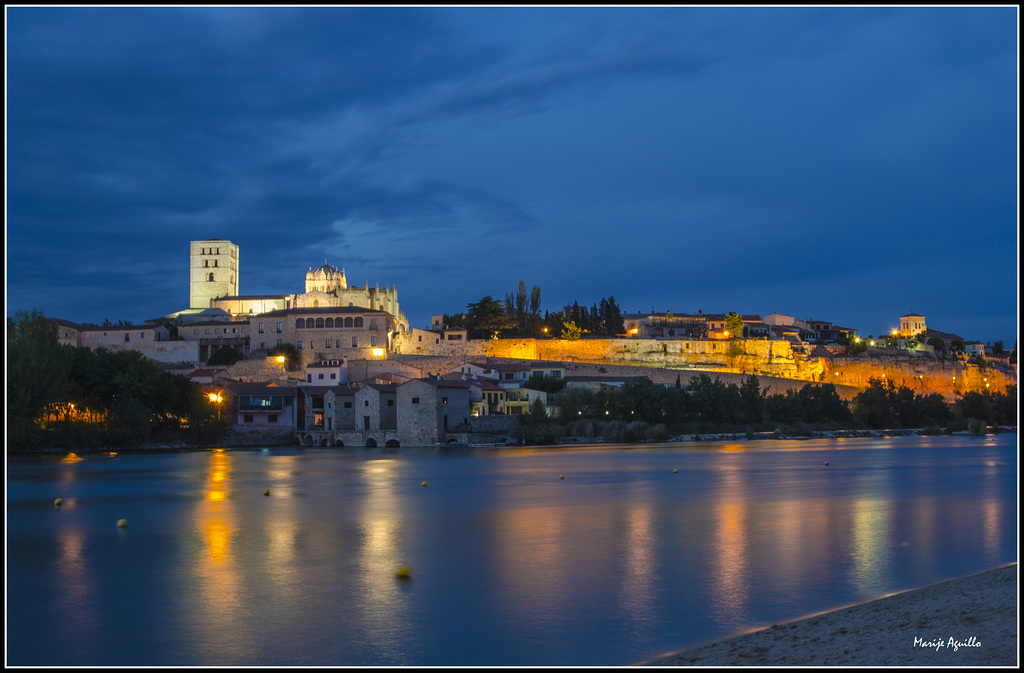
[836, 163]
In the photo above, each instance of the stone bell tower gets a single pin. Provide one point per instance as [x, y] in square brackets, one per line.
[213, 271]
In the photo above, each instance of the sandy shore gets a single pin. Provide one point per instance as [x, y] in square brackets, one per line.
[969, 621]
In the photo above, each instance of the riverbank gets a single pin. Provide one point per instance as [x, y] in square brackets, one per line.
[969, 621]
[234, 441]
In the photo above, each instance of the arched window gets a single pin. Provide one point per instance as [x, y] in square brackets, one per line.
[320, 322]
[329, 322]
[309, 323]
[348, 322]
[359, 322]
[300, 323]
[206, 262]
[210, 278]
[316, 302]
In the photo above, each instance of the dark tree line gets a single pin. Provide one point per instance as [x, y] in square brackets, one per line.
[77, 397]
[706, 402]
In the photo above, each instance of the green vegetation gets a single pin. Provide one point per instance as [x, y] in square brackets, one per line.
[643, 412]
[485, 319]
[734, 325]
[288, 351]
[225, 355]
[78, 398]
[570, 331]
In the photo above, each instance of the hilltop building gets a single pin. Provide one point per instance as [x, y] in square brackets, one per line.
[214, 283]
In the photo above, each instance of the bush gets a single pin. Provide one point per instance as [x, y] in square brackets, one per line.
[976, 427]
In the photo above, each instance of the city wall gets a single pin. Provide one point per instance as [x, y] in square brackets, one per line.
[922, 372]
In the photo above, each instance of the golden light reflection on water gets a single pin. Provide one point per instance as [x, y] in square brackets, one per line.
[636, 593]
[730, 590]
[384, 615]
[215, 613]
[992, 512]
[870, 546]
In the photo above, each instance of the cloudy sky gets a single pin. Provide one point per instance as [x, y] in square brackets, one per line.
[843, 164]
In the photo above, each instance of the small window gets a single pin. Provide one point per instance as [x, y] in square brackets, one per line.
[206, 263]
[444, 400]
[210, 278]
[366, 403]
[355, 342]
[309, 378]
[391, 403]
[271, 418]
[207, 330]
[215, 263]
[311, 345]
[415, 400]
[358, 322]
[195, 331]
[320, 376]
[320, 323]
[334, 376]
[328, 344]
[348, 405]
[260, 328]
[280, 328]
[247, 418]
[298, 345]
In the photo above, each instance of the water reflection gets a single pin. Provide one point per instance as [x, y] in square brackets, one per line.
[384, 621]
[637, 591]
[869, 544]
[730, 560]
[214, 588]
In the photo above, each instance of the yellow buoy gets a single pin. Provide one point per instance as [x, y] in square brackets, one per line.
[266, 491]
[423, 484]
[403, 571]
[561, 476]
[121, 523]
[826, 462]
[58, 502]
[675, 471]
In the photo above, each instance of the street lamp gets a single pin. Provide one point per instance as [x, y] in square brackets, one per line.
[216, 399]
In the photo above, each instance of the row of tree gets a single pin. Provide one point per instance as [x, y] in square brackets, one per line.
[519, 316]
[62, 395]
[710, 403]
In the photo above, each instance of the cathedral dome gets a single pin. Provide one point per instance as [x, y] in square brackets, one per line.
[326, 278]
[326, 272]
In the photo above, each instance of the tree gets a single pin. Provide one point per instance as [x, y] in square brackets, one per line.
[485, 319]
[997, 348]
[570, 331]
[734, 325]
[225, 355]
[288, 351]
[538, 410]
[957, 345]
[38, 367]
[938, 344]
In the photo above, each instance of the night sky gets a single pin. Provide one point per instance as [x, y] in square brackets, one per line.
[843, 164]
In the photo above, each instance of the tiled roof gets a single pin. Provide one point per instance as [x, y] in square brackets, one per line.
[315, 310]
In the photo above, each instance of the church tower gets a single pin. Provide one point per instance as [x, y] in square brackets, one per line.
[213, 271]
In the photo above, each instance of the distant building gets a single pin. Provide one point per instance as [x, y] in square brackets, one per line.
[911, 325]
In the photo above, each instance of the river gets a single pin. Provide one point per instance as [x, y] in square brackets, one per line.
[602, 555]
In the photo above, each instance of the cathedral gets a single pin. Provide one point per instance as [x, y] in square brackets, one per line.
[213, 283]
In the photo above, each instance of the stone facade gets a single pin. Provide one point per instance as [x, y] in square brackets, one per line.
[213, 271]
[326, 332]
[430, 408]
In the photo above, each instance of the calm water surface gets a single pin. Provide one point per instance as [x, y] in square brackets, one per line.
[619, 562]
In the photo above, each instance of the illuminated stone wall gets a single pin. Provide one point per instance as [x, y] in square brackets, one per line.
[215, 258]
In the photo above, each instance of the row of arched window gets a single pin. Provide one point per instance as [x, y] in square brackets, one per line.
[309, 323]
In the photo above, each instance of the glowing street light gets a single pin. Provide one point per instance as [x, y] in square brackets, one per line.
[280, 359]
